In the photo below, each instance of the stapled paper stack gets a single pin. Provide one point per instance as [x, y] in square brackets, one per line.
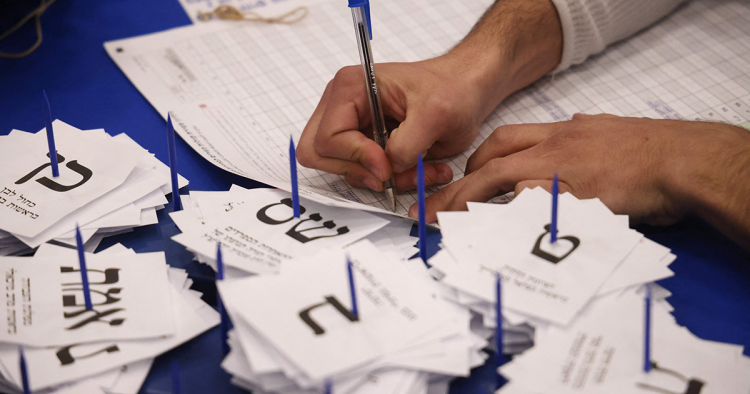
[107, 185]
[141, 308]
[259, 233]
[404, 336]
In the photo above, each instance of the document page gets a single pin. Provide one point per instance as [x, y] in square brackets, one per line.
[237, 91]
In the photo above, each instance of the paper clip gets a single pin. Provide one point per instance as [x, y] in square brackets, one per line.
[84, 271]
[50, 136]
[171, 146]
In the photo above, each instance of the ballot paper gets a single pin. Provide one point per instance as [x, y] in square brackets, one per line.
[549, 281]
[260, 232]
[237, 91]
[407, 337]
[100, 206]
[75, 364]
[602, 352]
[90, 167]
[44, 303]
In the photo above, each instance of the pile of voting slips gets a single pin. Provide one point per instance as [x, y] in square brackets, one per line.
[107, 185]
[140, 308]
[259, 233]
[602, 352]
[386, 327]
[583, 297]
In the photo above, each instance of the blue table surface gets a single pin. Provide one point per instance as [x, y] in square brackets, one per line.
[711, 286]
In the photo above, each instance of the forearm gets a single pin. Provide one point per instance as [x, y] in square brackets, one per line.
[714, 181]
[515, 43]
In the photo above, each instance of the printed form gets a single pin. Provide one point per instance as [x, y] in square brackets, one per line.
[237, 91]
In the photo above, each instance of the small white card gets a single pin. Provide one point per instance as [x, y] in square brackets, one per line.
[44, 302]
[260, 234]
[90, 165]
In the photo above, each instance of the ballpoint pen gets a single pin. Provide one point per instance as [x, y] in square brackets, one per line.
[363, 30]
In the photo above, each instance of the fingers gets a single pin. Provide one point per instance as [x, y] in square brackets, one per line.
[579, 117]
[346, 112]
[423, 126]
[356, 174]
[506, 140]
[545, 184]
[434, 174]
[497, 176]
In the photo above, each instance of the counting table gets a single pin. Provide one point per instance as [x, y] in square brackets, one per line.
[710, 289]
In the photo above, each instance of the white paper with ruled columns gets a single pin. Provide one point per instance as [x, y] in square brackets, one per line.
[237, 91]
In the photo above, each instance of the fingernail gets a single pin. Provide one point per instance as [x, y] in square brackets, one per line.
[414, 211]
[374, 184]
[376, 171]
[444, 176]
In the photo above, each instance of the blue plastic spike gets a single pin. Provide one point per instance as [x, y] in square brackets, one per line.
[499, 317]
[352, 290]
[24, 372]
[171, 146]
[175, 372]
[422, 215]
[329, 387]
[553, 223]
[647, 334]
[84, 271]
[50, 136]
[293, 172]
[224, 324]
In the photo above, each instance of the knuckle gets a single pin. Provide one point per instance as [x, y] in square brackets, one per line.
[304, 156]
[347, 75]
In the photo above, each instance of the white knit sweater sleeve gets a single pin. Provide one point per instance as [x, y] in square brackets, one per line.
[590, 25]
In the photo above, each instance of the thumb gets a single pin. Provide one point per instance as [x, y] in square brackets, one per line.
[417, 134]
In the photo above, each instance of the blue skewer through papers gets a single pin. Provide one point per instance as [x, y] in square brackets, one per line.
[175, 371]
[553, 223]
[24, 373]
[224, 324]
[352, 290]
[647, 333]
[84, 271]
[171, 146]
[293, 173]
[422, 223]
[50, 136]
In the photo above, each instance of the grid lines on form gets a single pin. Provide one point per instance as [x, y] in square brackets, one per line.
[262, 82]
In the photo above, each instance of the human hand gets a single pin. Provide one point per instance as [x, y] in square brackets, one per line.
[435, 106]
[437, 110]
[655, 171]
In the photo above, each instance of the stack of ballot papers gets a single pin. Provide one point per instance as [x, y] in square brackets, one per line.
[107, 185]
[603, 352]
[141, 309]
[543, 284]
[296, 330]
[259, 233]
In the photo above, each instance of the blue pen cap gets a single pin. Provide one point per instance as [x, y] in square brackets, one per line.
[366, 4]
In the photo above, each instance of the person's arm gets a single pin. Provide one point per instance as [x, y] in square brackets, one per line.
[437, 104]
[655, 171]
[589, 26]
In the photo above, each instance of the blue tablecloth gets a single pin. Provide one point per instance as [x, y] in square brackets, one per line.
[711, 288]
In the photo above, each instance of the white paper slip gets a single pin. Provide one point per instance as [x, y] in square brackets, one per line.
[50, 367]
[261, 234]
[308, 317]
[31, 199]
[238, 91]
[44, 304]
